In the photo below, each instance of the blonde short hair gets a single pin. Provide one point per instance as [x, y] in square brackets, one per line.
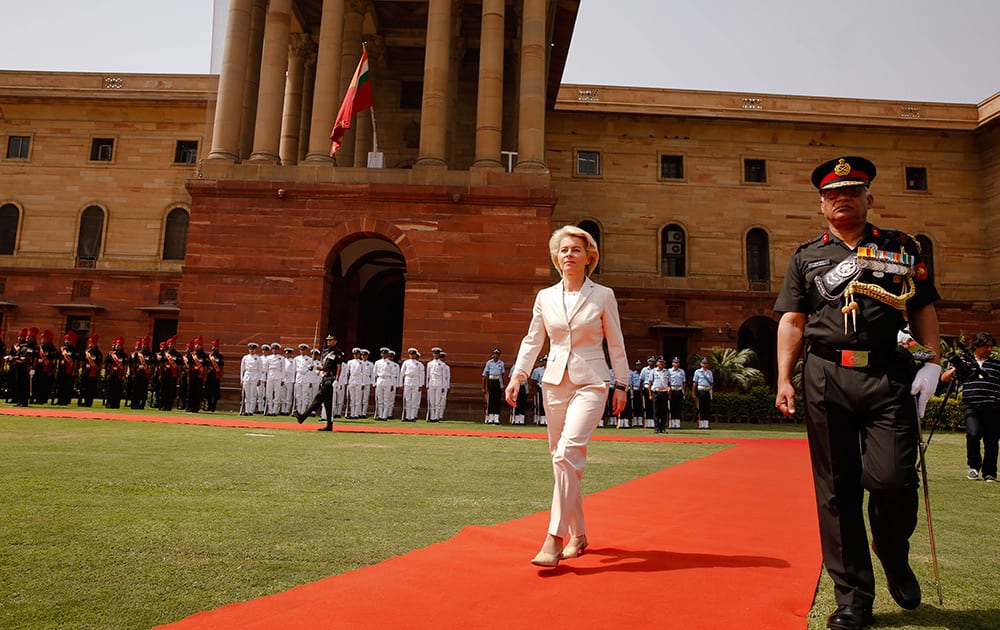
[593, 255]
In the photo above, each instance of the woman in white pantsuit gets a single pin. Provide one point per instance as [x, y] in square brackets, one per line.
[575, 316]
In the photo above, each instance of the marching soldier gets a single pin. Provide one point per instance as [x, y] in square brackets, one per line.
[69, 365]
[331, 366]
[90, 372]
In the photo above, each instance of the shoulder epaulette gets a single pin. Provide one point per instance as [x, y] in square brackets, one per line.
[811, 241]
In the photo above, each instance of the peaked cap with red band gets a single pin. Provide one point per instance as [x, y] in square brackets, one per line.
[843, 171]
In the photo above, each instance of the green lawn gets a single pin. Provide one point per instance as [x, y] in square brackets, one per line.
[129, 525]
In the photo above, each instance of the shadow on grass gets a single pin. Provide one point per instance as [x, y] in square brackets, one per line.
[930, 616]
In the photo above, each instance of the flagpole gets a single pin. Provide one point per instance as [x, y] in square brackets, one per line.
[374, 132]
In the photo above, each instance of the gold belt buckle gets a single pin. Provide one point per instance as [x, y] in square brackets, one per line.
[854, 358]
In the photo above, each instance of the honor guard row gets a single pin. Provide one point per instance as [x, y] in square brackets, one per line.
[38, 372]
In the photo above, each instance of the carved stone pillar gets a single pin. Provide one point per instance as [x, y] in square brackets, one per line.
[274, 65]
[326, 94]
[531, 116]
[226, 132]
[434, 107]
[489, 104]
[298, 48]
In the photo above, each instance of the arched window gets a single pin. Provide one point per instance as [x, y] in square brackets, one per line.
[592, 228]
[88, 244]
[10, 216]
[758, 260]
[927, 254]
[672, 257]
[176, 235]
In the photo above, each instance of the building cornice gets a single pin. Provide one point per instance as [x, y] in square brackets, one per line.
[772, 107]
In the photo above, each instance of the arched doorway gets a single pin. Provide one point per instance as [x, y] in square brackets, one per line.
[760, 334]
[367, 289]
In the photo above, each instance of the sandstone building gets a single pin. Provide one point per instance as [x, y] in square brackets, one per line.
[209, 205]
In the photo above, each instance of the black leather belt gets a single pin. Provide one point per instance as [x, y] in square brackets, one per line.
[852, 357]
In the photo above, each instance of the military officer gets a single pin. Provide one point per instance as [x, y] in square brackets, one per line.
[90, 372]
[412, 376]
[493, 386]
[677, 378]
[438, 382]
[115, 368]
[385, 385]
[846, 295]
[69, 365]
[250, 375]
[702, 383]
[331, 366]
[213, 376]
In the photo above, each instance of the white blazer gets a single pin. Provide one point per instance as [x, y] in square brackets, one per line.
[575, 340]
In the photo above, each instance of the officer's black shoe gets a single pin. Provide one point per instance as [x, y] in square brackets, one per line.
[301, 417]
[849, 618]
[328, 427]
[902, 583]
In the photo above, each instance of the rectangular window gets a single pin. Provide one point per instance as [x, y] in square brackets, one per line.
[186, 152]
[755, 171]
[168, 294]
[588, 163]
[411, 95]
[17, 147]
[102, 149]
[916, 178]
[671, 167]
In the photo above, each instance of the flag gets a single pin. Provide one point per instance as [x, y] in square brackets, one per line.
[357, 99]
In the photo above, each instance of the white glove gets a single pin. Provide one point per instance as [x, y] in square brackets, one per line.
[924, 384]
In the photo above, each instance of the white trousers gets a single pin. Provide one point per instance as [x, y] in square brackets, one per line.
[411, 402]
[385, 400]
[435, 402]
[572, 412]
[354, 401]
[249, 397]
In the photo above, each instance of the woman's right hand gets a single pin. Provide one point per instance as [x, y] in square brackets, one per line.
[513, 388]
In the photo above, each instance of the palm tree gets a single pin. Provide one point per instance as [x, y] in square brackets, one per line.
[732, 368]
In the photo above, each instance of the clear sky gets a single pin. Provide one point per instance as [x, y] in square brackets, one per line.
[915, 50]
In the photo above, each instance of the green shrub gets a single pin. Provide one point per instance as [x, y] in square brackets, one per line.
[951, 420]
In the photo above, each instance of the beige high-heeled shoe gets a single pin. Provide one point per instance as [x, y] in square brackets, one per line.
[547, 560]
[575, 547]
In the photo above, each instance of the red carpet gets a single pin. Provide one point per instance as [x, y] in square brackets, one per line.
[724, 541]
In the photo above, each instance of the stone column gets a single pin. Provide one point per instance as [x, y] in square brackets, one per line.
[252, 83]
[273, 66]
[489, 104]
[531, 116]
[326, 93]
[434, 108]
[308, 87]
[226, 130]
[298, 48]
[354, 17]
